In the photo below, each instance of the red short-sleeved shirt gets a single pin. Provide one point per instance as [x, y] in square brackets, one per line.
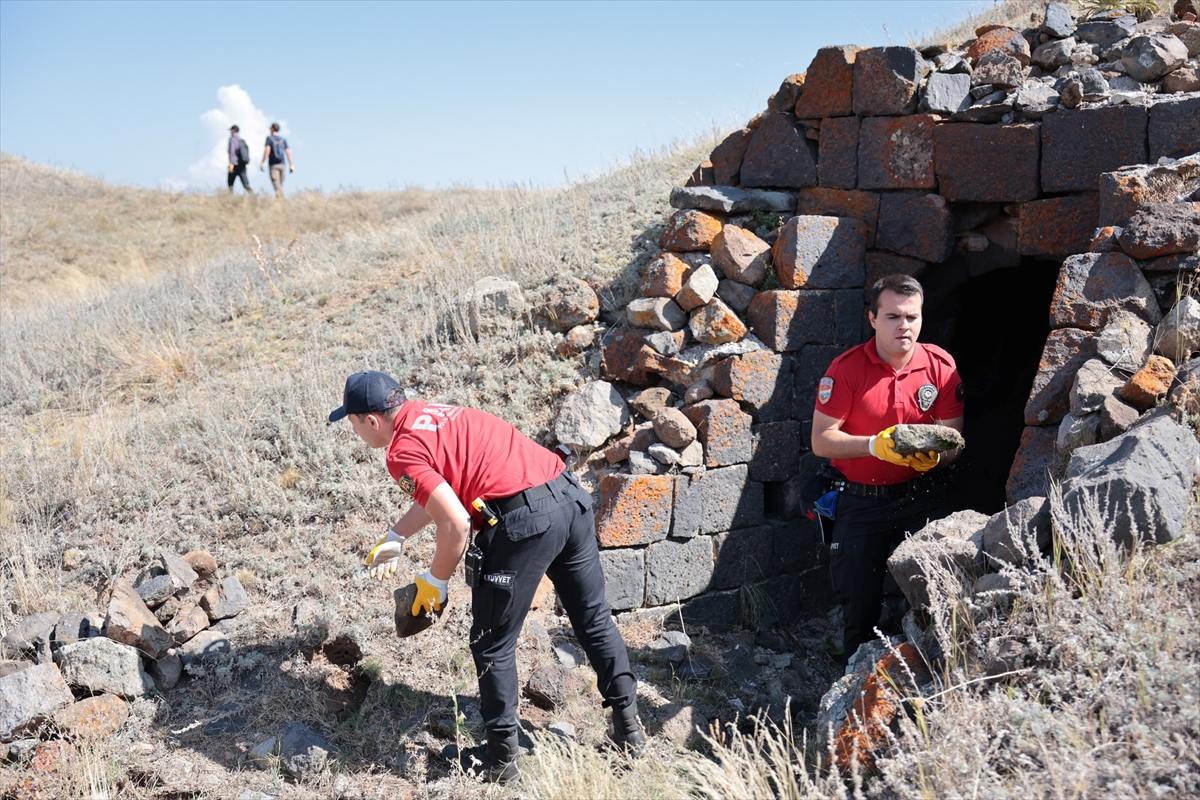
[868, 395]
[478, 454]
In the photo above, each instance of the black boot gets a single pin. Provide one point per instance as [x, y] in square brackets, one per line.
[491, 762]
[627, 734]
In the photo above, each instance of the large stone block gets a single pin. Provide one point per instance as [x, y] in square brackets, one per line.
[779, 155]
[788, 320]
[743, 556]
[879, 264]
[896, 153]
[886, 80]
[717, 611]
[727, 157]
[1092, 286]
[1058, 226]
[1066, 350]
[1174, 127]
[829, 84]
[677, 570]
[1142, 481]
[796, 545]
[920, 226]
[730, 199]
[1078, 145]
[811, 363]
[861, 206]
[1162, 229]
[728, 499]
[987, 163]
[724, 430]
[776, 451]
[619, 356]
[820, 253]
[762, 380]
[624, 577]
[634, 509]
[1124, 191]
[689, 230]
[837, 153]
[687, 515]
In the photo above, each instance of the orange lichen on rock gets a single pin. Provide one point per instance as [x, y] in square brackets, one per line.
[1150, 383]
[690, 230]
[1001, 38]
[866, 732]
[101, 715]
[665, 276]
[634, 509]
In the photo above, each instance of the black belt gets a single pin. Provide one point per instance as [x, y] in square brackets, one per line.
[527, 497]
[881, 491]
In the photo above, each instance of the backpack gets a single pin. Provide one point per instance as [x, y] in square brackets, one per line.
[277, 148]
[243, 152]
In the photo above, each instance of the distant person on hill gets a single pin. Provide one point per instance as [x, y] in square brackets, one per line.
[275, 152]
[239, 159]
[518, 514]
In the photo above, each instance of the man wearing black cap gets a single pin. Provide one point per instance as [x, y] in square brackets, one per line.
[533, 519]
[239, 158]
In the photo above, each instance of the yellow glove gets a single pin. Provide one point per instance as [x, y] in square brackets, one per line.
[923, 462]
[883, 448]
[384, 557]
[431, 594]
[231, 167]
[291, 169]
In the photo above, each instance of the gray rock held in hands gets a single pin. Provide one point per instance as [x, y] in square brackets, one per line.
[102, 665]
[590, 415]
[911, 439]
[1141, 480]
[1178, 335]
[29, 696]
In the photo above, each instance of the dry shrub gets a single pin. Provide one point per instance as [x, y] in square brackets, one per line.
[1101, 700]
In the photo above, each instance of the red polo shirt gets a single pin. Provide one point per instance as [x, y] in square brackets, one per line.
[478, 454]
[868, 395]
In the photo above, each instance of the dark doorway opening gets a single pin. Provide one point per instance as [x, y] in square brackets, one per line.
[995, 325]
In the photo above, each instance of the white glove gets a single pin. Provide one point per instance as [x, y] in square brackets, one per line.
[385, 556]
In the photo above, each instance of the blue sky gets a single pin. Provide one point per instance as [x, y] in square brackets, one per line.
[377, 95]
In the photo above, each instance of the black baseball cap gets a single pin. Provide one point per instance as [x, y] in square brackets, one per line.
[366, 392]
[234, 128]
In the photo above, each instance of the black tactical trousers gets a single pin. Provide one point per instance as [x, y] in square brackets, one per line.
[553, 536]
[239, 171]
[865, 533]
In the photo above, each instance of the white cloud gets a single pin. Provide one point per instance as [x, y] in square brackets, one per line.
[236, 109]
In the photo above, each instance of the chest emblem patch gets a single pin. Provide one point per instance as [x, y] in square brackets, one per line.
[825, 389]
[407, 484]
[926, 395]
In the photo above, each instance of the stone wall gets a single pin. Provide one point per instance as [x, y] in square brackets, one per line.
[1073, 144]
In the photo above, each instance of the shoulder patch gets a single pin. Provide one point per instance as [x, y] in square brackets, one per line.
[961, 392]
[825, 389]
[407, 485]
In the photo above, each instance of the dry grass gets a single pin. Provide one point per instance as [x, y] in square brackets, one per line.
[1018, 14]
[64, 235]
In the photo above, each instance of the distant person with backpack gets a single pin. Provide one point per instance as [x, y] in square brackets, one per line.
[275, 152]
[239, 159]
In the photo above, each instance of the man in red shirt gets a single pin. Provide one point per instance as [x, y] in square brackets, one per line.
[866, 391]
[445, 457]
